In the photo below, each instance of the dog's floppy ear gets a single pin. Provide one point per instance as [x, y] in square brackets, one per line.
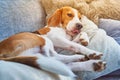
[55, 19]
[42, 31]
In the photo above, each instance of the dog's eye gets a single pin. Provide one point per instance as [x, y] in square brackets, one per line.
[70, 15]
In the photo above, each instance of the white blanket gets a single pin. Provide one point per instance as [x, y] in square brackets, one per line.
[17, 71]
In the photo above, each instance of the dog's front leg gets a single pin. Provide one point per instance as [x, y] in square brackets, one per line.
[82, 38]
[90, 65]
[73, 46]
[70, 58]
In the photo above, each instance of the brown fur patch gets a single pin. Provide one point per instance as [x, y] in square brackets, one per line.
[28, 60]
[17, 43]
[55, 19]
[99, 66]
[43, 31]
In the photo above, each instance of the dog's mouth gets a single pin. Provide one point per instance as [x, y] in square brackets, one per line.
[75, 31]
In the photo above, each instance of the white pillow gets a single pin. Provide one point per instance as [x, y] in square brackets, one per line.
[112, 27]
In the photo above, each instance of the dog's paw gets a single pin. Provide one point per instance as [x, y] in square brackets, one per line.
[79, 58]
[95, 56]
[84, 42]
[85, 58]
[99, 66]
[95, 65]
[90, 65]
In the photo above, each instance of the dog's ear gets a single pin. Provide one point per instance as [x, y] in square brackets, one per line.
[55, 19]
[42, 31]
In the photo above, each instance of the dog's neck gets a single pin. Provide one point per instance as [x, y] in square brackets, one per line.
[68, 33]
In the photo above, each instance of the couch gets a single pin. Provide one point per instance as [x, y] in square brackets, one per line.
[29, 15]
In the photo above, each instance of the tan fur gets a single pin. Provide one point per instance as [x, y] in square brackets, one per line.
[63, 16]
[93, 9]
[55, 19]
[28, 60]
[19, 42]
[43, 31]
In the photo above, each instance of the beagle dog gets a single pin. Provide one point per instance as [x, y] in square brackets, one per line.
[64, 30]
[37, 50]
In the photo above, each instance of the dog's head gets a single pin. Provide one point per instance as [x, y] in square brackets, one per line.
[67, 18]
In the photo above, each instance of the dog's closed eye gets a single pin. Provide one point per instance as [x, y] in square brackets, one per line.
[69, 14]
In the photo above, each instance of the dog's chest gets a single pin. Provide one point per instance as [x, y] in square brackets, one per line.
[59, 32]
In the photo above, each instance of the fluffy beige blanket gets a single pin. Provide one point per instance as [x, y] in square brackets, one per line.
[93, 9]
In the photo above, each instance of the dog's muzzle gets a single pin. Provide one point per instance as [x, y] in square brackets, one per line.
[78, 26]
[77, 29]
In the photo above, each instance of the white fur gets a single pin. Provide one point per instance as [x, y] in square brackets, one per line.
[59, 38]
[83, 66]
[72, 23]
[49, 63]
[69, 58]
[53, 65]
[55, 62]
[30, 52]
[81, 35]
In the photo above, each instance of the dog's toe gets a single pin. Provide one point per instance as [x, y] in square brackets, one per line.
[99, 66]
[94, 56]
[84, 59]
[83, 42]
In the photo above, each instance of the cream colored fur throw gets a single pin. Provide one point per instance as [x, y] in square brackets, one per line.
[93, 9]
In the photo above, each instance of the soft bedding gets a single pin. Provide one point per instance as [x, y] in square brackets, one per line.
[16, 71]
[112, 27]
[19, 16]
[111, 54]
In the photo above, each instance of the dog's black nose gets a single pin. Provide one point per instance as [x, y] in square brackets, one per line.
[78, 25]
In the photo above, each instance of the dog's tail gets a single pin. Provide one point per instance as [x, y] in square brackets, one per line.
[44, 63]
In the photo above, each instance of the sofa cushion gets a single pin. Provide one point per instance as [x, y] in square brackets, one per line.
[93, 9]
[112, 27]
[20, 15]
[17, 71]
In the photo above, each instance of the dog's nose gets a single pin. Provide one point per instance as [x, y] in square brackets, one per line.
[78, 25]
